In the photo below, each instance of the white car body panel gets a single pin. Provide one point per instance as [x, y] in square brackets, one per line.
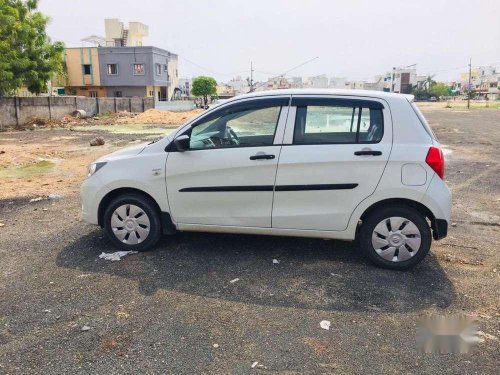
[221, 168]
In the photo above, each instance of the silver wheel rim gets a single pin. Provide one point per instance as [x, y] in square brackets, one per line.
[130, 224]
[396, 239]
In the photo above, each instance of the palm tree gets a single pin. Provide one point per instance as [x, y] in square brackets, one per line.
[429, 82]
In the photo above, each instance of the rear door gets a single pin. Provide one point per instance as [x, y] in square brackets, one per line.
[227, 176]
[334, 152]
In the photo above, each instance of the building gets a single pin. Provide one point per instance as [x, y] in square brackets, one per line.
[357, 85]
[485, 82]
[138, 71]
[295, 82]
[83, 75]
[317, 82]
[239, 86]
[273, 83]
[400, 80]
[184, 88]
[235, 86]
[118, 35]
[378, 84]
[338, 83]
[118, 65]
[120, 72]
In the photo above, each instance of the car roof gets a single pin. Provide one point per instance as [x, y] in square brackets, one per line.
[337, 92]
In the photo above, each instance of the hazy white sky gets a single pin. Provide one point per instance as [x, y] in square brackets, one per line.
[353, 38]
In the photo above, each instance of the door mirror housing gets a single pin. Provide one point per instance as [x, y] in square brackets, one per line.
[182, 143]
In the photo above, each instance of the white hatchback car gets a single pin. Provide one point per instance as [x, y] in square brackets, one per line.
[313, 163]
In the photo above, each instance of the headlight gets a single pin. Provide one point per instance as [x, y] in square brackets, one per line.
[94, 167]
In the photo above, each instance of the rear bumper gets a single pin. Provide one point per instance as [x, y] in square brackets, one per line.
[439, 229]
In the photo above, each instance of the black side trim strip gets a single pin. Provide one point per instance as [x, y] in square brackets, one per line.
[226, 188]
[268, 188]
[315, 187]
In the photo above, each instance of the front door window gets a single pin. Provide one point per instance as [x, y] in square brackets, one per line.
[244, 128]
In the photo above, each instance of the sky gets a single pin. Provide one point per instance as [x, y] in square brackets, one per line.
[357, 39]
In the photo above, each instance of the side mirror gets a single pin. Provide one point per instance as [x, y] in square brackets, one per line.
[182, 143]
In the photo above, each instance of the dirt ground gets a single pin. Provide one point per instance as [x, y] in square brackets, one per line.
[175, 310]
[54, 156]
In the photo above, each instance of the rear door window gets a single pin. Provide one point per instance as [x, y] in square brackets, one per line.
[323, 121]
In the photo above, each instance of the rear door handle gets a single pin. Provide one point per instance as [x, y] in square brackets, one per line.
[262, 156]
[367, 152]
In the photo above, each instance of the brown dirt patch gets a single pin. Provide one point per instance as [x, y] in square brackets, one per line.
[154, 116]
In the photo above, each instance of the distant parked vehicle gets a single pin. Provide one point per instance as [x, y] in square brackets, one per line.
[312, 163]
[433, 99]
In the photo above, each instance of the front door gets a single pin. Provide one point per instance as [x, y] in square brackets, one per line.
[334, 153]
[226, 177]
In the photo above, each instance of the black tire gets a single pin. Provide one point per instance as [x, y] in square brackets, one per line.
[384, 212]
[152, 212]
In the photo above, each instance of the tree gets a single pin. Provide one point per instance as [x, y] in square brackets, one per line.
[428, 83]
[27, 56]
[204, 87]
[440, 89]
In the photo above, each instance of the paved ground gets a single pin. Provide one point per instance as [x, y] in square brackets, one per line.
[175, 310]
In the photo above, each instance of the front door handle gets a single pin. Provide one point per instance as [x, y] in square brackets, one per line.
[367, 152]
[262, 156]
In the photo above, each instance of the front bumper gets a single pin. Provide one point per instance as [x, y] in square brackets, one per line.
[91, 193]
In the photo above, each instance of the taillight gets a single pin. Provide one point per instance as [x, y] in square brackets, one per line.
[435, 160]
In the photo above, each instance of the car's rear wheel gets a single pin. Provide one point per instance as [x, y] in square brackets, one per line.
[132, 222]
[395, 237]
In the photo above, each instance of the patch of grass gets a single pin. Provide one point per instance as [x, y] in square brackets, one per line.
[40, 167]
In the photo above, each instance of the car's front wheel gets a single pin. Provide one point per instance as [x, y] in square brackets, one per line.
[395, 237]
[132, 222]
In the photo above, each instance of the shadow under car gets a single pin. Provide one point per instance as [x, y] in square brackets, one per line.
[311, 273]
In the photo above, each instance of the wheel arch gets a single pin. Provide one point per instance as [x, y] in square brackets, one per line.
[166, 221]
[422, 209]
[399, 201]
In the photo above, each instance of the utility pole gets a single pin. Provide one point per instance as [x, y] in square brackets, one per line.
[468, 91]
[251, 76]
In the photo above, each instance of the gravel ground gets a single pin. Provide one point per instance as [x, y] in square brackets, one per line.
[175, 309]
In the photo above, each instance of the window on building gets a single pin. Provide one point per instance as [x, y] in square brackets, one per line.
[165, 68]
[93, 94]
[151, 93]
[112, 69]
[87, 69]
[158, 69]
[176, 73]
[118, 94]
[138, 69]
[324, 124]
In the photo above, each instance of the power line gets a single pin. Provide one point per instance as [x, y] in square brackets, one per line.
[288, 71]
[459, 67]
